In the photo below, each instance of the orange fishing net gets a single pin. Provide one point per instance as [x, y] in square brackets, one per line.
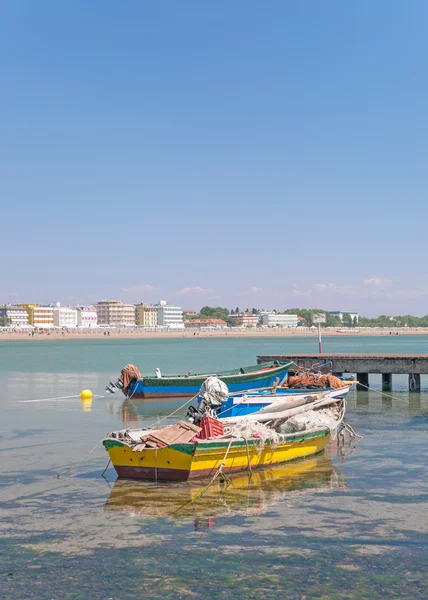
[313, 381]
[128, 373]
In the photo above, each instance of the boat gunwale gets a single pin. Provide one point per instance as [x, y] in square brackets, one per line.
[258, 369]
[215, 443]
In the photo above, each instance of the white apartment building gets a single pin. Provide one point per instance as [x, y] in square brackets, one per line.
[115, 313]
[64, 316]
[272, 319]
[170, 315]
[17, 315]
[86, 316]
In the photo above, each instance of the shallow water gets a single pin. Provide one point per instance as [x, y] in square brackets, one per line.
[350, 523]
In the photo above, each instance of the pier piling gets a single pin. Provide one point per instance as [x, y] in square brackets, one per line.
[386, 382]
[363, 382]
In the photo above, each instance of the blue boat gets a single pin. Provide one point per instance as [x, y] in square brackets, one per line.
[240, 405]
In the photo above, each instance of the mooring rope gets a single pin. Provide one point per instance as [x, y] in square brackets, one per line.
[68, 469]
[379, 392]
[216, 474]
[173, 412]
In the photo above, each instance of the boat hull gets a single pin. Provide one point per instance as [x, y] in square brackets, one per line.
[185, 387]
[181, 462]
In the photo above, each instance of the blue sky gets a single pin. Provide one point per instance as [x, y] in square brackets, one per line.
[269, 154]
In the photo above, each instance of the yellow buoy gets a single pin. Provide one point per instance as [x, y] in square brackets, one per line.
[85, 394]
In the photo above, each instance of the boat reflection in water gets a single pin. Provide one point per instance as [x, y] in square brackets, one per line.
[245, 494]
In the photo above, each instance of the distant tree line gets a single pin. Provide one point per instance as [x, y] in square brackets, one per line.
[398, 321]
[218, 312]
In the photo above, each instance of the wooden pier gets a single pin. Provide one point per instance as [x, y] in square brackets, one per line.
[387, 365]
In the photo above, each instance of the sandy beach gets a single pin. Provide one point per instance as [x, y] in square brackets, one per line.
[232, 333]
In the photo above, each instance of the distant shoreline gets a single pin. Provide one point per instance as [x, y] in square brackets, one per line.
[284, 333]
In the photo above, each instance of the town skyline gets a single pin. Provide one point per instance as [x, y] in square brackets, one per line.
[381, 294]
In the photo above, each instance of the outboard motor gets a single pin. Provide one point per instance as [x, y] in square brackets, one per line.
[212, 394]
[111, 387]
[194, 414]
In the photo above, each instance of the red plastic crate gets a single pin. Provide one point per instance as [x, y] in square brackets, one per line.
[211, 428]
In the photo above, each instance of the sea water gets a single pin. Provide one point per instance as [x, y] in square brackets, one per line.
[350, 523]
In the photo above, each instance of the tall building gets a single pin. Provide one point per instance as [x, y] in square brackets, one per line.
[115, 313]
[86, 316]
[146, 315]
[15, 315]
[64, 316]
[39, 316]
[170, 315]
[272, 319]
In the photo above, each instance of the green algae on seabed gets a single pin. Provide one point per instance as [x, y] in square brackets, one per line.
[199, 570]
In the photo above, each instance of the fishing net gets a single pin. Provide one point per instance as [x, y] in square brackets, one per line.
[311, 419]
[252, 430]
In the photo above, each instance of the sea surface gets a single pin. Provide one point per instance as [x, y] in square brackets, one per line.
[349, 523]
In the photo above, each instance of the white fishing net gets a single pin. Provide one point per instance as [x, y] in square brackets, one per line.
[311, 419]
[254, 431]
[274, 434]
[316, 418]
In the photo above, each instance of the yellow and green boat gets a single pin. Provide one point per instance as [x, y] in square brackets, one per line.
[205, 458]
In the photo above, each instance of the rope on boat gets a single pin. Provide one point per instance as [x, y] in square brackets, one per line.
[248, 457]
[174, 411]
[349, 429]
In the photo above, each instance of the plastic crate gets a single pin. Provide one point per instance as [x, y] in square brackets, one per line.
[211, 428]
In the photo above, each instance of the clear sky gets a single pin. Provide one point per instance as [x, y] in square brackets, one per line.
[270, 154]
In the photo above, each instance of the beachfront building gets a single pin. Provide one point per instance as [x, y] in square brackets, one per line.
[209, 323]
[115, 313]
[245, 319]
[39, 316]
[170, 315]
[273, 319]
[86, 316]
[14, 316]
[338, 313]
[64, 316]
[146, 315]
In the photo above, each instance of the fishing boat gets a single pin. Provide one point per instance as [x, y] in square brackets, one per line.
[252, 401]
[185, 451]
[133, 385]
